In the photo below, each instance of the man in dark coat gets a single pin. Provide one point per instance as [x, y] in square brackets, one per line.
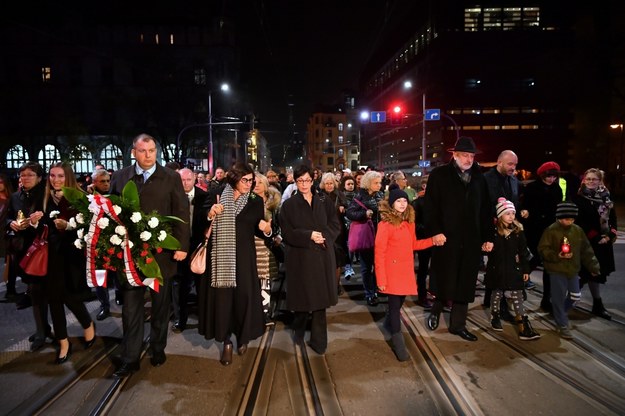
[160, 190]
[457, 203]
[198, 225]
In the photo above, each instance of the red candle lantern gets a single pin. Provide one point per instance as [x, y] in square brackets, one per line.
[566, 247]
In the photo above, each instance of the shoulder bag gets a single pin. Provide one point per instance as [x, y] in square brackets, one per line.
[361, 233]
[35, 261]
[198, 257]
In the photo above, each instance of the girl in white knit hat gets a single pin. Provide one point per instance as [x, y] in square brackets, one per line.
[508, 269]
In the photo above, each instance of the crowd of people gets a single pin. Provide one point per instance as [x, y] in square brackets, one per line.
[292, 229]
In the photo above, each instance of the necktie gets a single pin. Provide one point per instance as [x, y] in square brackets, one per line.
[146, 175]
[190, 210]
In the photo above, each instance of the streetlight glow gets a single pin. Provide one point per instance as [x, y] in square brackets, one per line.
[364, 115]
[407, 85]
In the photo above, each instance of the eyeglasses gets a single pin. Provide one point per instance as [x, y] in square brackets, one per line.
[302, 181]
[247, 180]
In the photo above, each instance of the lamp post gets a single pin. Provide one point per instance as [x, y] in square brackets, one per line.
[225, 88]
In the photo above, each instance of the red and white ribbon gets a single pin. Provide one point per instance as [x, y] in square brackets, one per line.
[101, 206]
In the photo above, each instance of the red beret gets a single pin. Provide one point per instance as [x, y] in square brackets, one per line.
[551, 167]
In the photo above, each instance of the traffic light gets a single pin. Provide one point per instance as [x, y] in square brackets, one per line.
[396, 115]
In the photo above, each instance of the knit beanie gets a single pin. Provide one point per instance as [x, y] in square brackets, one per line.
[395, 194]
[548, 168]
[503, 206]
[566, 210]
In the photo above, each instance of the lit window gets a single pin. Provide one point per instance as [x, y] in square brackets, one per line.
[141, 39]
[340, 152]
[156, 38]
[529, 127]
[171, 38]
[16, 157]
[340, 126]
[47, 156]
[510, 127]
[170, 151]
[491, 127]
[83, 161]
[340, 139]
[199, 76]
[111, 157]
[46, 74]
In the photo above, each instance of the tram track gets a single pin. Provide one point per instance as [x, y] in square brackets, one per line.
[88, 390]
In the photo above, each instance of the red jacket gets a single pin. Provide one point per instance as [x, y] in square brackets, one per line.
[395, 242]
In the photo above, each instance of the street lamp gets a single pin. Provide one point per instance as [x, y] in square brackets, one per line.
[224, 88]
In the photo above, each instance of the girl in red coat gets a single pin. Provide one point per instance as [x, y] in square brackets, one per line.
[395, 243]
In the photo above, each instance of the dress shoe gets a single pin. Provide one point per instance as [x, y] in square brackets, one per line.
[89, 344]
[426, 304]
[316, 349]
[432, 321]
[49, 334]
[158, 359]
[372, 301]
[61, 360]
[38, 343]
[178, 327]
[23, 302]
[103, 314]
[226, 355]
[464, 334]
[126, 369]
[242, 349]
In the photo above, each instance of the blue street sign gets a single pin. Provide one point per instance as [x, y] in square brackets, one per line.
[432, 114]
[424, 163]
[378, 116]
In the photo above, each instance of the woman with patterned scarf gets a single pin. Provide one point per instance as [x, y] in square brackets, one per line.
[230, 298]
[597, 218]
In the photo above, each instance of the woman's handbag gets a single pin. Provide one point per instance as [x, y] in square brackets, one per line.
[35, 261]
[198, 257]
[361, 234]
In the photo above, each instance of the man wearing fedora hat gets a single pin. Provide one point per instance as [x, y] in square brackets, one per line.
[458, 205]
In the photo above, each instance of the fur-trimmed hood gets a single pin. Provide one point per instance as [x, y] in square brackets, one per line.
[388, 214]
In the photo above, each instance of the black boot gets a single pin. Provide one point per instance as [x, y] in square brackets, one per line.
[599, 310]
[526, 332]
[495, 322]
[399, 346]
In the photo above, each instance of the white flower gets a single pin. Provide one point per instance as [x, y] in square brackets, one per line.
[80, 219]
[145, 236]
[162, 235]
[72, 223]
[153, 222]
[120, 229]
[88, 238]
[103, 222]
[78, 243]
[54, 214]
[117, 209]
[135, 217]
[115, 240]
[81, 233]
[130, 244]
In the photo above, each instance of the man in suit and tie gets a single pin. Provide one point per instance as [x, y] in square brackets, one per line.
[160, 190]
[198, 224]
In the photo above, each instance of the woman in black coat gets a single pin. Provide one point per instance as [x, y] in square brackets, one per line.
[230, 298]
[597, 217]
[309, 227]
[25, 211]
[66, 282]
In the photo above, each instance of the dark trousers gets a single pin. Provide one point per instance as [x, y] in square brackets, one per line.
[133, 316]
[366, 270]
[57, 311]
[103, 292]
[180, 293]
[318, 328]
[546, 288]
[395, 303]
[458, 316]
[422, 273]
[40, 308]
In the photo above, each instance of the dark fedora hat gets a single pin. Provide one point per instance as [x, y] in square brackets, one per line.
[464, 144]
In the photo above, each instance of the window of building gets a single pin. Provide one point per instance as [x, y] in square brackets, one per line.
[171, 38]
[510, 127]
[354, 151]
[491, 127]
[529, 127]
[340, 138]
[531, 17]
[496, 18]
[170, 152]
[330, 160]
[83, 161]
[47, 156]
[156, 39]
[46, 74]
[199, 76]
[16, 157]
[340, 126]
[111, 157]
[341, 152]
[471, 20]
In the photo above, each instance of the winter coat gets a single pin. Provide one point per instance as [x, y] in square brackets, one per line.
[588, 218]
[497, 189]
[551, 243]
[395, 243]
[461, 212]
[540, 200]
[310, 268]
[357, 213]
[507, 262]
[337, 199]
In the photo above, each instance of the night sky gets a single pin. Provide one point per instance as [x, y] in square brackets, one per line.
[306, 53]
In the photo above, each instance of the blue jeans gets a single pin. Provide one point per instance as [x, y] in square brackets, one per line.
[366, 269]
[564, 293]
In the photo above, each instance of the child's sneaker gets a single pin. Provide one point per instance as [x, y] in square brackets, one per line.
[526, 332]
[564, 332]
[495, 322]
[349, 271]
